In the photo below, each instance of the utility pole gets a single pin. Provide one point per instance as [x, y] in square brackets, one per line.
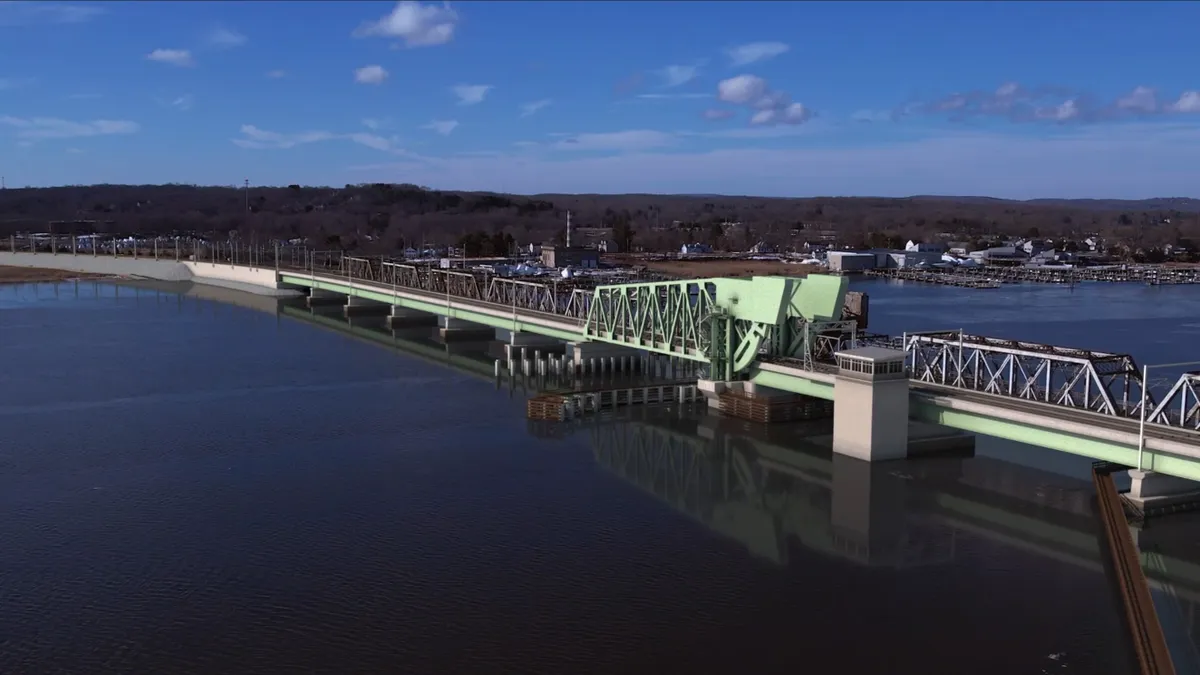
[246, 185]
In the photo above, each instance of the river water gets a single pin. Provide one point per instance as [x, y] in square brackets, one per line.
[191, 486]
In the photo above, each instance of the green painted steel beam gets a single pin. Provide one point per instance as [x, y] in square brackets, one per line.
[438, 308]
[1051, 438]
[793, 383]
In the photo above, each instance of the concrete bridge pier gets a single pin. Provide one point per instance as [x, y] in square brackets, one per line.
[1149, 489]
[356, 306]
[402, 317]
[870, 405]
[461, 329]
[321, 298]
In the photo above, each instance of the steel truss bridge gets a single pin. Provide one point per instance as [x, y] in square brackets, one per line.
[734, 325]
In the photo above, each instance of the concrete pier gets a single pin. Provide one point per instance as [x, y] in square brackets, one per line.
[452, 329]
[1150, 489]
[356, 306]
[322, 298]
[582, 352]
[870, 409]
[402, 317]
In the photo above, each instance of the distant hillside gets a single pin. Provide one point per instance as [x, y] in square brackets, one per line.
[1183, 204]
[388, 215]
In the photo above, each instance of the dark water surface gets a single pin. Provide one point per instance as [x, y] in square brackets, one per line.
[194, 487]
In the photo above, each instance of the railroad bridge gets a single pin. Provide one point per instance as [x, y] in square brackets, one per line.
[788, 334]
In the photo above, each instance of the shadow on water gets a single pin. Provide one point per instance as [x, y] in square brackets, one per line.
[258, 488]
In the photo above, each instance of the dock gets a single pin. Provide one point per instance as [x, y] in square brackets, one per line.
[936, 278]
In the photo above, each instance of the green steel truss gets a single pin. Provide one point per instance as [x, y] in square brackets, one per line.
[727, 323]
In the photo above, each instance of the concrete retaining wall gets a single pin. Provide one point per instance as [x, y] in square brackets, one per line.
[253, 280]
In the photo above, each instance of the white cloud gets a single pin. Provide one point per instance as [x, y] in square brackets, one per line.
[1063, 112]
[674, 76]
[531, 108]
[717, 114]
[253, 138]
[1189, 102]
[680, 96]
[417, 24]
[370, 75]
[182, 103]
[470, 94]
[744, 55]
[742, 90]
[175, 57]
[33, 13]
[618, 141]
[770, 107]
[225, 38]
[1141, 99]
[374, 124]
[443, 127]
[260, 139]
[50, 128]
[276, 74]
[1131, 161]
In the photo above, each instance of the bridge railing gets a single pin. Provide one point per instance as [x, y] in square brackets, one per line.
[1109, 384]
[566, 298]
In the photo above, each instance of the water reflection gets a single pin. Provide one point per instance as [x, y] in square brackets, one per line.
[260, 494]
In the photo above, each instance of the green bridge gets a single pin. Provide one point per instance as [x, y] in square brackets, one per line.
[767, 334]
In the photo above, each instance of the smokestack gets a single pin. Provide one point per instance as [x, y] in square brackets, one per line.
[568, 229]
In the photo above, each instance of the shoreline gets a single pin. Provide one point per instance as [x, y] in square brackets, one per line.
[32, 275]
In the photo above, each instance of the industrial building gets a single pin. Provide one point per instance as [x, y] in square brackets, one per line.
[570, 256]
[860, 261]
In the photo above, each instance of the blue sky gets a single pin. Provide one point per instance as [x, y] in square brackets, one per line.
[1019, 99]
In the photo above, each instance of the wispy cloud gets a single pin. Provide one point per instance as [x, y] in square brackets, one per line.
[182, 103]
[276, 74]
[770, 107]
[374, 124]
[416, 24]
[19, 13]
[50, 128]
[534, 106]
[744, 55]
[471, 94]
[716, 114]
[443, 127]
[174, 57]
[1127, 161]
[674, 76]
[225, 38]
[370, 75]
[1058, 104]
[674, 96]
[254, 138]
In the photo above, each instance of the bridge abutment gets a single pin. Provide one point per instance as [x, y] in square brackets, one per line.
[870, 405]
[581, 352]
[1148, 488]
